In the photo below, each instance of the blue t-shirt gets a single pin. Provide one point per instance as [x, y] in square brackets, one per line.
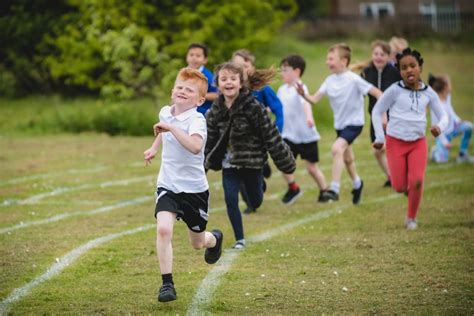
[210, 88]
[267, 97]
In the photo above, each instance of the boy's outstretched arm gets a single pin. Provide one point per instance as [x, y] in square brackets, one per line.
[375, 92]
[310, 98]
[193, 143]
[309, 114]
[150, 153]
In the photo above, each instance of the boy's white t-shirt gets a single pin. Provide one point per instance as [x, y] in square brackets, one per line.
[295, 128]
[182, 171]
[346, 93]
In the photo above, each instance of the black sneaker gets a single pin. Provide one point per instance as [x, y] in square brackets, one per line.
[211, 255]
[357, 193]
[387, 184]
[320, 197]
[250, 210]
[291, 196]
[329, 196]
[167, 293]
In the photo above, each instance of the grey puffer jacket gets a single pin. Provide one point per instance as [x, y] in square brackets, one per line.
[247, 132]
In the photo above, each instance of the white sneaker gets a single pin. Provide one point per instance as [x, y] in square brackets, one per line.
[239, 244]
[411, 224]
[466, 158]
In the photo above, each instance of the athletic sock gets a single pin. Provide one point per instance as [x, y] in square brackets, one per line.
[167, 278]
[356, 183]
[335, 186]
[293, 186]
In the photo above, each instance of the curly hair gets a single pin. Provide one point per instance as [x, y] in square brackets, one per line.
[409, 52]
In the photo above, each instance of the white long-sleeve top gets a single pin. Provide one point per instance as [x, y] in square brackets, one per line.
[407, 112]
[453, 118]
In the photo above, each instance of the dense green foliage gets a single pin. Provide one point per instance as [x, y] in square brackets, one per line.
[121, 48]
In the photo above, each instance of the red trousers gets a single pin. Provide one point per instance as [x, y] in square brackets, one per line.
[407, 164]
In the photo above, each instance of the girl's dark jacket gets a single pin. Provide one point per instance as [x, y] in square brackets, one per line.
[382, 80]
[246, 130]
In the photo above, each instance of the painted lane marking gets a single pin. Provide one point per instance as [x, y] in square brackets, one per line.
[205, 290]
[38, 197]
[63, 216]
[210, 283]
[62, 263]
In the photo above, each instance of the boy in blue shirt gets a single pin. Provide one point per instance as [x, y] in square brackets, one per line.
[196, 58]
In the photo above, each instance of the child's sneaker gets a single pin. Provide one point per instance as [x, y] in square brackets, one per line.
[211, 255]
[320, 197]
[411, 224]
[329, 196]
[239, 244]
[357, 193]
[387, 184]
[465, 158]
[291, 196]
[249, 210]
[167, 293]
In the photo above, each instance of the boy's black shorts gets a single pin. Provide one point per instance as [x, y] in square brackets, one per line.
[191, 207]
[349, 133]
[308, 151]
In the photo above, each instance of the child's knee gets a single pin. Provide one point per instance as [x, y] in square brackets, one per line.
[399, 188]
[311, 167]
[348, 159]
[337, 150]
[164, 231]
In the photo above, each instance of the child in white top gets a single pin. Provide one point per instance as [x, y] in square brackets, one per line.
[346, 92]
[407, 149]
[440, 152]
[299, 130]
[182, 185]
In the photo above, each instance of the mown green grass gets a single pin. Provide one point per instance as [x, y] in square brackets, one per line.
[385, 269]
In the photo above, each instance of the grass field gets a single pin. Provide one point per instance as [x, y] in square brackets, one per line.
[77, 231]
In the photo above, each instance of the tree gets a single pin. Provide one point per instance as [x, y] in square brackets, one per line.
[127, 48]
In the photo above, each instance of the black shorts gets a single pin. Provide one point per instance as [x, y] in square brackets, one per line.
[308, 151]
[349, 133]
[191, 207]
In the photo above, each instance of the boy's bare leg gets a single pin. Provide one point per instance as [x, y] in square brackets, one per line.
[164, 233]
[201, 240]
[382, 160]
[349, 161]
[317, 175]
[338, 149]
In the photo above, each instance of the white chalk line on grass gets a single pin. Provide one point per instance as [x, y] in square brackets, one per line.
[51, 174]
[38, 197]
[136, 201]
[211, 281]
[61, 173]
[60, 217]
[205, 292]
[62, 263]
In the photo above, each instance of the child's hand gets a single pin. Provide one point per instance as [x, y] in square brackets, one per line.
[299, 88]
[384, 121]
[149, 154]
[435, 131]
[448, 145]
[310, 122]
[377, 146]
[161, 127]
